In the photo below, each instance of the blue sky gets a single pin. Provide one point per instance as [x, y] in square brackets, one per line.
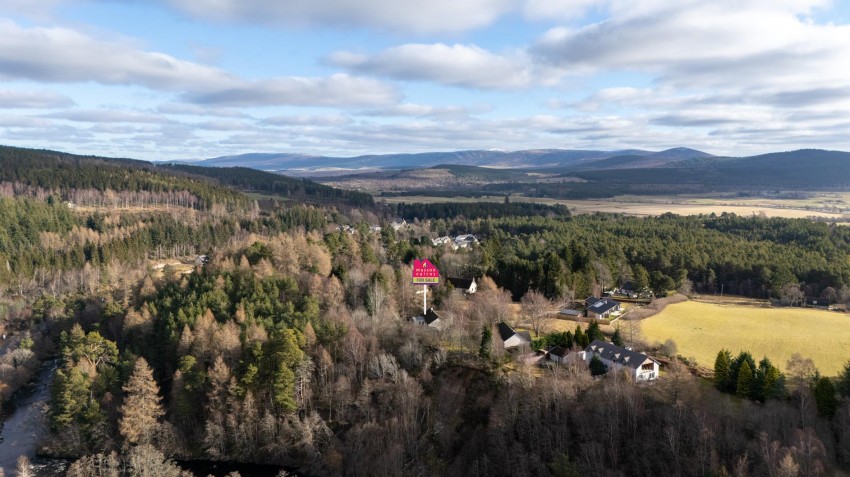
[189, 79]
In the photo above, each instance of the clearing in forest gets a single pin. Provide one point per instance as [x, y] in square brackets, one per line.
[700, 330]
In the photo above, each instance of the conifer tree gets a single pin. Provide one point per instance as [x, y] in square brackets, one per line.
[843, 384]
[484, 349]
[597, 367]
[825, 398]
[142, 406]
[593, 332]
[745, 380]
[721, 369]
[617, 339]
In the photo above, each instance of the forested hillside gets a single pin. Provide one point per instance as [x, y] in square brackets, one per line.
[289, 342]
[275, 184]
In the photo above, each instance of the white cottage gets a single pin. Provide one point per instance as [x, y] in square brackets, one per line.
[512, 339]
[640, 366]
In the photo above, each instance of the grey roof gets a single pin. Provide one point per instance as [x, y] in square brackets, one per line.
[431, 316]
[615, 354]
[591, 300]
[603, 305]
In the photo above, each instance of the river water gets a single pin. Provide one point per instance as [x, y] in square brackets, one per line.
[23, 421]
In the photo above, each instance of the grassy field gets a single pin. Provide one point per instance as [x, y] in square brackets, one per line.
[827, 206]
[701, 329]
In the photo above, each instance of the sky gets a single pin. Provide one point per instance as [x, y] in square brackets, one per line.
[193, 79]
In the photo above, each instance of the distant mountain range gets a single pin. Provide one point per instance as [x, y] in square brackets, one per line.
[304, 164]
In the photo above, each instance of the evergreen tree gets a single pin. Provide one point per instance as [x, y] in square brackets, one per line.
[593, 332]
[721, 369]
[745, 381]
[142, 406]
[825, 398]
[485, 348]
[843, 384]
[597, 367]
[581, 340]
[616, 339]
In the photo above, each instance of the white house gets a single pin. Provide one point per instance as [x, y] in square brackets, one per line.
[512, 339]
[441, 240]
[466, 240]
[640, 366]
[466, 285]
[398, 224]
[601, 308]
[431, 319]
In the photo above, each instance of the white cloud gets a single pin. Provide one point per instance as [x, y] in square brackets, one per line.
[336, 90]
[61, 55]
[314, 120]
[467, 66]
[108, 116]
[400, 16]
[11, 99]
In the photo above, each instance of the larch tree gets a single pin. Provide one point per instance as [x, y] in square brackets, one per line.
[142, 406]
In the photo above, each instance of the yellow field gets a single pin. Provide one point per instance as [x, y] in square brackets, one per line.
[700, 330]
[825, 206]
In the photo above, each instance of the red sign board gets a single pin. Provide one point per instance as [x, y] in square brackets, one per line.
[425, 273]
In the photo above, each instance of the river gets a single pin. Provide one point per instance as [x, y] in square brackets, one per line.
[23, 424]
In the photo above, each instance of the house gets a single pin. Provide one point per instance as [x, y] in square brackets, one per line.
[441, 240]
[512, 339]
[465, 241]
[820, 303]
[397, 225]
[202, 260]
[640, 366]
[557, 354]
[601, 308]
[430, 319]
[375, 229]
[466, 285]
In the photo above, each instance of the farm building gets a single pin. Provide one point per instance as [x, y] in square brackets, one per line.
[640, 366]
[819, 303]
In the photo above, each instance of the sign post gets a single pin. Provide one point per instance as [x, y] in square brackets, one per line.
[425, 274]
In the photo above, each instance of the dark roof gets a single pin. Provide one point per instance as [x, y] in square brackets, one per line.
[558, 351]
[462, 283]
[615, 354]
[812, 301]
[591, 300]
[431, 316]
[505, 331]
[603, 305]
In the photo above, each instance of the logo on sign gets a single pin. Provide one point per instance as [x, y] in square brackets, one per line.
[425, 273]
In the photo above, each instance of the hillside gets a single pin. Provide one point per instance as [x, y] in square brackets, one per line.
[68, 175]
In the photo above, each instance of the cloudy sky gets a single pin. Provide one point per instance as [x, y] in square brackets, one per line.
[185, 79]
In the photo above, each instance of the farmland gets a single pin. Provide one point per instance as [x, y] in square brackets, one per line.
[826, 206]
[701, 329]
